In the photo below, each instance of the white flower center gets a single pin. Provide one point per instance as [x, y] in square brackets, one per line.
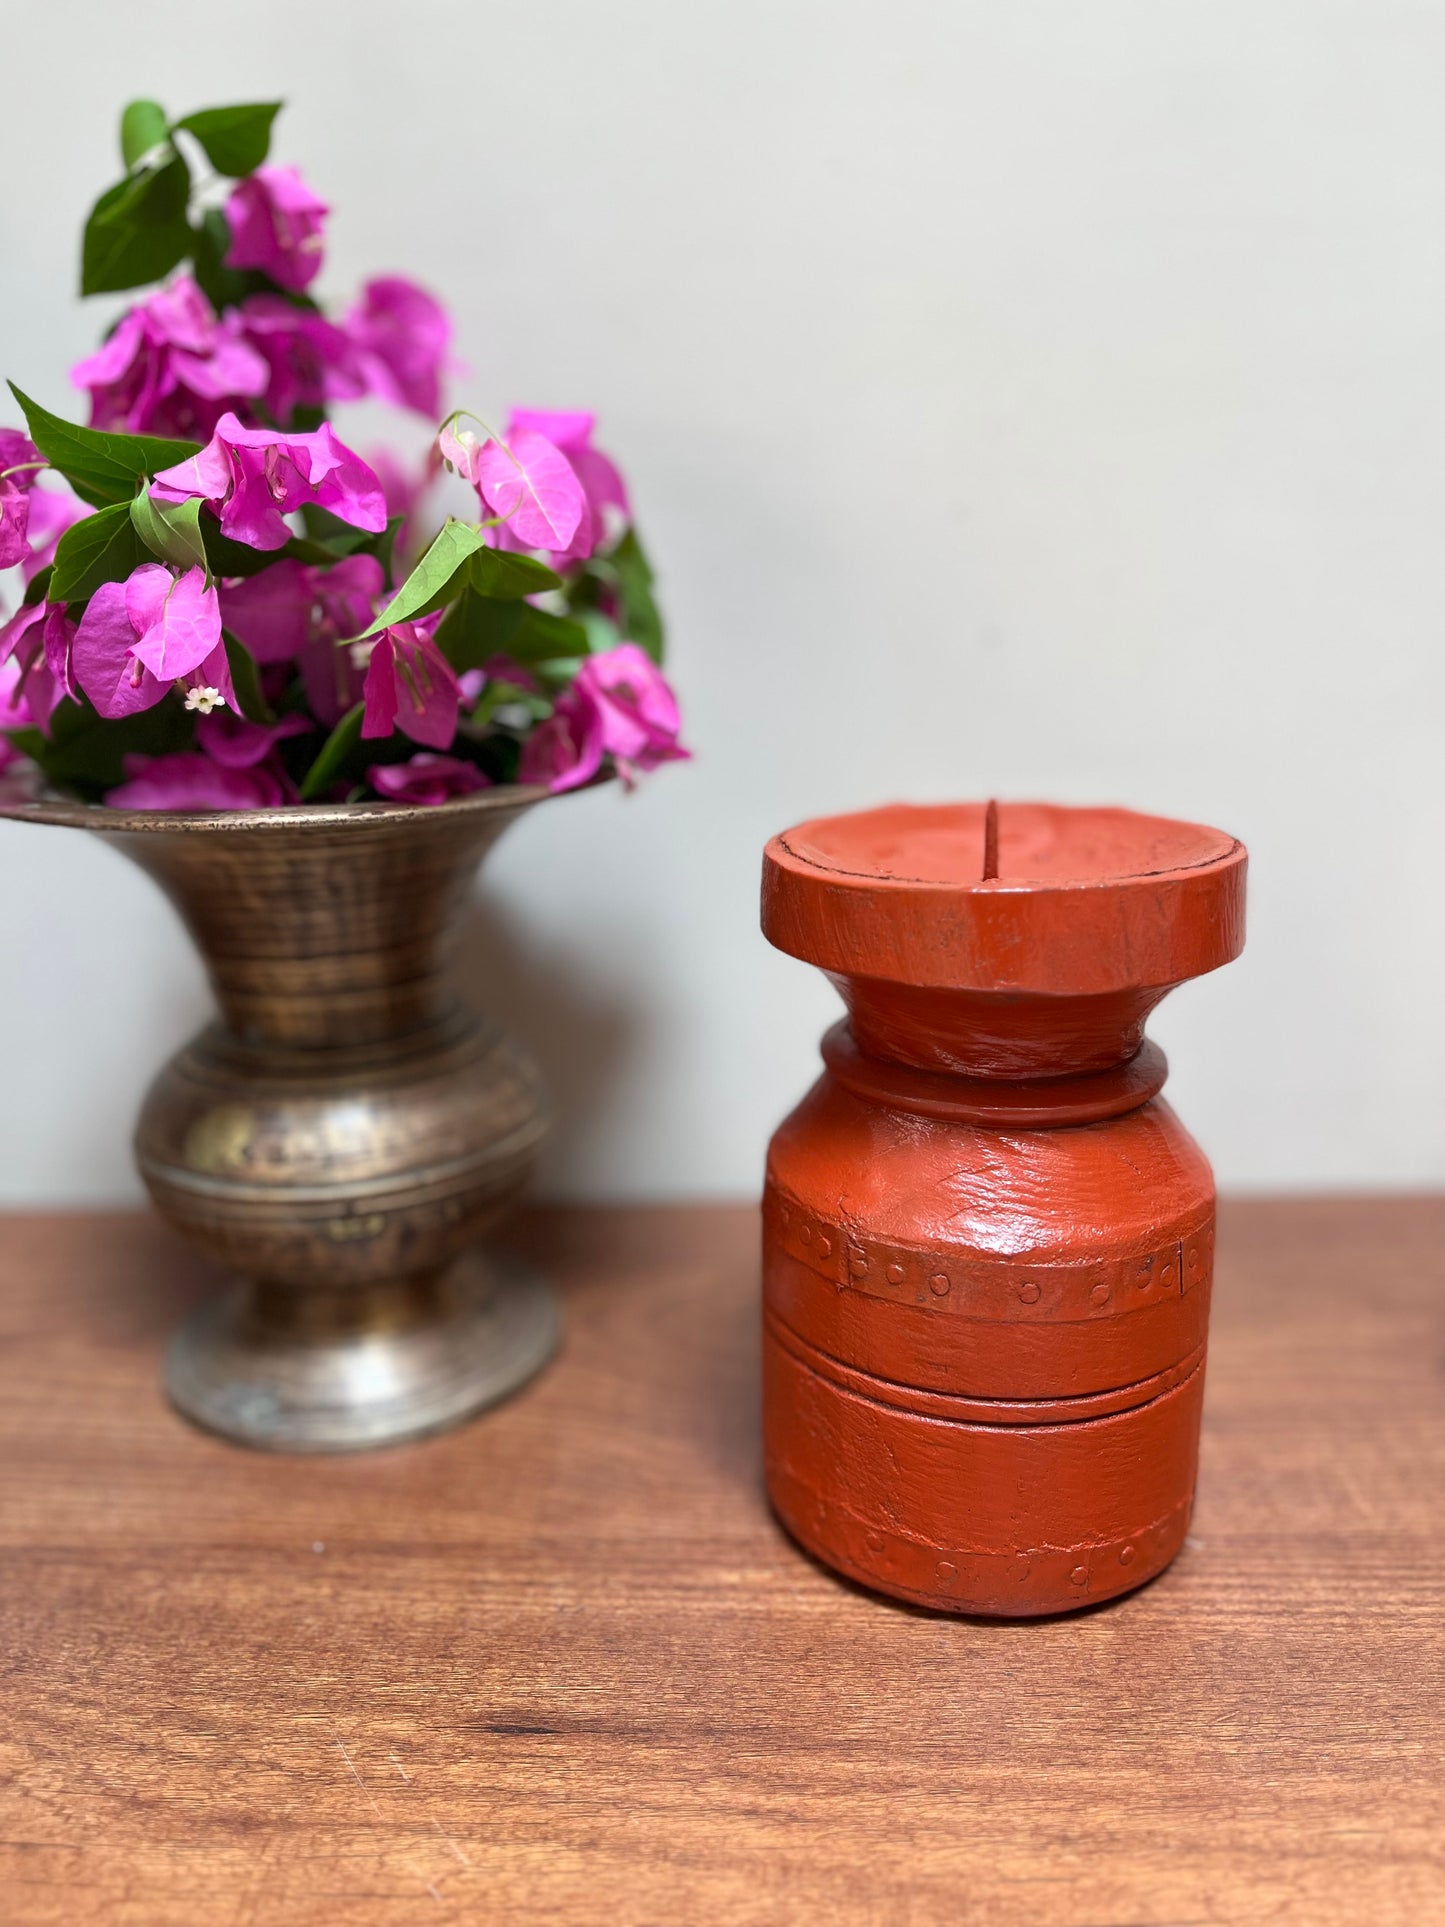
[205, 700]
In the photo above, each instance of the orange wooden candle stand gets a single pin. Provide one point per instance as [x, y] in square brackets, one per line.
[988, 1240]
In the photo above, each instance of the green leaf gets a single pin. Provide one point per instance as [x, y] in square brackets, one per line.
[383, 546]
[229, 558]
[508, 577]
[333, 754]
[476, 627]
[479, 626]
[32, 742]
[223, 287]
[100, 467]
[137, 230]
[302, 550]
[236, 139]
[171, 530]
[87, 752]
[143, 127]
[498, 693]
[436, 579]
[334, 543]
[102, 548]
[602, 632]
[641, 618]
[542, 637]
[331, 532]
[561, 672]
[37, 589]
[246, 680]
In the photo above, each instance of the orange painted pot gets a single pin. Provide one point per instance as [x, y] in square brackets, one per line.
[988, 1241]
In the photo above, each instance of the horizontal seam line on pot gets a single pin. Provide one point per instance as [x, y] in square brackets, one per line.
[984, 1425]
[773, 1316]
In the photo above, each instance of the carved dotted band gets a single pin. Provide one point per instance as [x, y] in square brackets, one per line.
[908, 1274]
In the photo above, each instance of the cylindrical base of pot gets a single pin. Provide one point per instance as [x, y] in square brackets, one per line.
[338, 1371]
[1011, 1520]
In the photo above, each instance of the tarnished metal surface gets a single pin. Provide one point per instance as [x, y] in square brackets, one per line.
[346, 1130]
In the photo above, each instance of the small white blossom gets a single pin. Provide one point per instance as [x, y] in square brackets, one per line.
[205, 700]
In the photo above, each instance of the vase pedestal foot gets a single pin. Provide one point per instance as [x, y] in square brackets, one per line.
[337, 1371]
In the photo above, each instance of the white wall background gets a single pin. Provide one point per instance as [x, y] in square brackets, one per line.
[1028, 399]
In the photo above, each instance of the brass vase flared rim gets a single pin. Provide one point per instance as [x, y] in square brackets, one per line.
[70, 813]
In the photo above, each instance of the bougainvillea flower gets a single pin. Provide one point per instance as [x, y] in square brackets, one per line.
[619, 705]
[276, 222]
[345, 599]
[410, 686]
[271, 611]
[227, 737]
[311, 361]
[566, 750]
[571, 431]
[190, 780]
[640, 720]
[51, 514]
[177, 619]
[14, 522]
[530, 483]
[400, 335]
[136, 641]
[105, 667]
[295, 613]
[566, 432]
[19, 777]
[20, 463]
[404, 488]
[59, 638]
[20, 637]
[15, 710]
[39, 641]
[460, 449]
[252, 477]
[17, 451]
[427, 779]
[171, 368]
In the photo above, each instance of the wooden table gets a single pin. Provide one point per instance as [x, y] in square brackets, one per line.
[562, 1667]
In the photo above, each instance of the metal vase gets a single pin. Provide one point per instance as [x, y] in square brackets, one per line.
[346, 1131]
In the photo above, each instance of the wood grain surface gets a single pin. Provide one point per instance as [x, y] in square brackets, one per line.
[561, 1666]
